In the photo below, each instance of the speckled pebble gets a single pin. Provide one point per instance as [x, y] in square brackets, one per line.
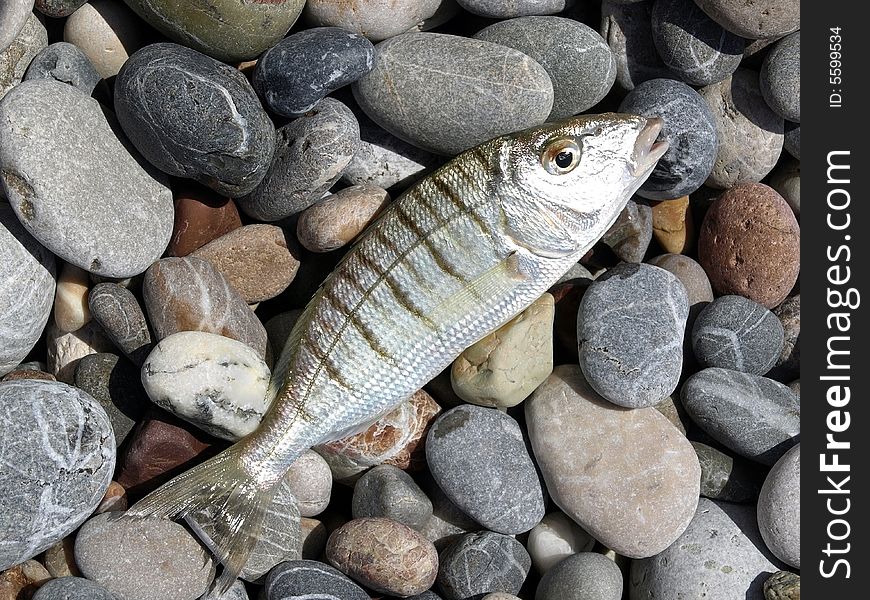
[779, 508]
[724, 477]
[786, 179]
[58, 8]
[780, 78]
[478, 563]
[72, 588]
[336, 220]
[627, 27]
[583, 576]
[792, 142]
[310, 580]
[30, 40]
[375, 19]
[789, 362]
[757, 19]
[64, 62]
[387, 491]
[119, 314]
[783, 585]
[498, 9]
[13, 16]
[310, 481]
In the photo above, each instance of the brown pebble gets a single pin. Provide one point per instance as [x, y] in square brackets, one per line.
[673, 226]
[28, 374]
[384, 555]
[21, 581]
[314, 536]
[200, 217]
[115, 499]
[60, 560]
[338, 219]
[71, 310]
[749, 244]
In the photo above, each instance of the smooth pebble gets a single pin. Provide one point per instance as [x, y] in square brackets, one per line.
[114, 383]
[375, 19]
[631, 233]
[121, 318]
[761, 19]
[478, 563]
[340, 217]
[387, 491]
[30, 40]
[554, 539]
[583, 576]
[780, 80]
[724, 477]
[310, 579]
[779, 508]
[66, 63]
[107, 32]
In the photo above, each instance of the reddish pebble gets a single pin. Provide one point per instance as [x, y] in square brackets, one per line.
[28, 374]
[200, 217]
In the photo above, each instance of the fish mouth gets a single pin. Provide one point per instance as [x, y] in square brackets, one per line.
[647, 151]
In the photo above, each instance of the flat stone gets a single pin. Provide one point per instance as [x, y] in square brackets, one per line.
[117, 311]
[673, 226]
[490, 89]
[627, 27]
[761, 19]
[58, 8]
[372, 18]
[66, 63]
[75, 186]
[755, 417]
[388, 492]
[634, 366]
[107, 32]
[140, 559]
[50, 485]
[504, 367]
[30, 39]
[478, 457]
[70, 588]
[591, 473]
[27, 288]
[789, 362]
[583, 576]
[720, 556]
[310, 579]
[786, 180]
[517, 8]
[310, 481]
[554, 539]
[71, 310]
[478, 563]
[65, 350]
[723, 477]
[783, 585]
[310, 154]
[340, 217]
[631, 233]
[114, 383]
[189, 294]
[779, 508]
[13, 16]
[577, 59]
[690, 129]
[200, 217]
[780, 78]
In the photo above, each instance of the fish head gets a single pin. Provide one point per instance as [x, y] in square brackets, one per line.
[565, 183]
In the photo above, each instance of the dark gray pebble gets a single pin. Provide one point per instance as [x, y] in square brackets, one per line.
[72, 588]
[499, 9]
[627, 28]
[310, 580]
[792, 142]
[582, 576]
[780, 77]
[481, 563]
[114, 382]
[118, 311]
[65, 63]
[724, 477]
[630, 235]
[387, 491]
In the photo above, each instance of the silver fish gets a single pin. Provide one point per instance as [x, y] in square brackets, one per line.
[455, 257]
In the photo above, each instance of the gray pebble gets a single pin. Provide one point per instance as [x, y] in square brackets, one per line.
[630, 235]
[13, 16]
[237, 591]
[387, 491]
[691, 274]
[724, 477]
[640, 365]
[478, 457]
[786, 179]
[789, 362]
[792, 141]
[21, 49]
[448, 523]
[72, 588]
[310, 154]
[65, 63]
[499, 9]
[737, 333]
[216, 132]
[118, 312]
[577, 59]
[378, 20]
[583, 576]
[783, 585]
[755, 417]
[58, 452]
[114, 383]
[627, 28]
[58, 8]
[692, 44]
[779, 508]
[780, 78]
[479, 563]
[755, 19]
[310, 580]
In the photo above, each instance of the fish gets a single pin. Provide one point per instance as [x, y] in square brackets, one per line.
[452, 259]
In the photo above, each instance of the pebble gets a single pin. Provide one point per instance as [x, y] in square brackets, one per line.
[750, 133]
[31, 39]
[27, 288]
[789, 361]
[27, 373]
[278, 328]
[115, 499]
[554, 539]
[500, 596]
[478, 457]
[59, 560]
[65, 63]
[217, 383]
[13, 16]
[718, 557]
[780, 78]
[755, 417]
[504, 367]
[497, 9]
[779, 508]
[487, 88]
[734, 332]
[786, 180]
[674, 412]
[21, 581]
[631, 233]
[577, 59]
[310, 154]
[71, 310]
[229, 31]
[114, 383]
[310, 481]
[762, 19]
[448, 523]
[627, 27]
[384, 555]
[58, 8]
[119, 314]
[236, 591]
[74, 184]
[792, 142]
[478, 563]
[72, 588]
[690, 129]
[65, 350]
[339, 218]
[387, 491]
[783, 585]
[200, 217]
[749, 244]
[692, 44]
[297, 72]
[673, 226]
[583, 576]
[578, 441]
[314, 537]
[189, 294]
[106, 32]
[50, 485]
[254, 259]
[141, 559]
[634, 366]
[375, 19]
[280, 539]
[724, 477]
[310, 580]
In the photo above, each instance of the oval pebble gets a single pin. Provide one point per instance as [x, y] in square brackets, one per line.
[781, 78]
[71, 310]
[31, 39]
[106, 32]
[779, 508]
[119, 314]
[387, 491]
[627, 27]
[310, 482]
[490, 89]
[554, 539]
[786, 180]
[375, 19]
[340, 217]
[236, 591]
[755, 417]
[64, 62]
[478, 457]
[634, 366]
[115, 384]
[724, 477]
[760, 19]
[478, 563]
[310, 580]
[498, 9]
[72, 588]
[49, 486]
[583, 576]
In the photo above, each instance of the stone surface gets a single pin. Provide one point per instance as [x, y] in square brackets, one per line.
[58, 8]
[690, 129]
[107, 32]
[627, 27]
[297, 72]
[498, 9]
[487, 88]
[13, 16]
[783, 585]
[115, 499]
[720, 556]
[59, 560]
[59, 454]
[189, 294]
[577, 59]
[114, 383]
[724, 477]
[21, 581]
[71, 310]
[673, 226]
[75, 186]
[217, 133]
[592, 474]
[27, 288]
[674, 412]
[756, 20]
[448, 523]
[236, 591]
[749, 244]
[554, 539]
[780, 78]
[65, 350]
[30, 40]
[789, 362]
[630, 234]
[755, 417]
[117, 311]
[478, 457]
[310, 481]
[216, 383]
[503, 368]
[375, 19]
[339, 218]
[387, 491]
[634, 366]
[72, 588]
[310, 154]
[200, 217]
[66, 63]
[583, 576]
[27, 373]
[750, 133]
[690, 273]
[478, 563]
[140, 559]
[786, 180]
[779, 508]
[792, 141]
[304, 579]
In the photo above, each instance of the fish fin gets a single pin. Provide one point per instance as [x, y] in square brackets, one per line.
[223, 504]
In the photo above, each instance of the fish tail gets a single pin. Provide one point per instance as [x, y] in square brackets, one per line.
[223, 505]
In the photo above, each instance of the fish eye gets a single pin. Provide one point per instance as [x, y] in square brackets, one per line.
[561, 156]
